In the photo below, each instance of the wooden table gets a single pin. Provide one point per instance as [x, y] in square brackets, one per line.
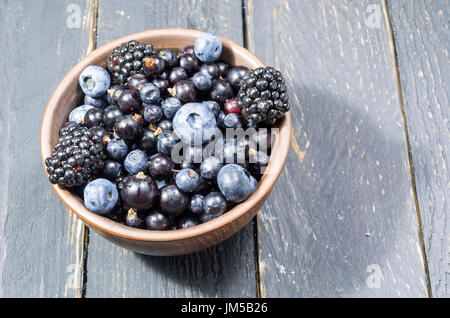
[362, 206]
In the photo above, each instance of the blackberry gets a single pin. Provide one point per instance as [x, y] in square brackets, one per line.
[77, 157]
[262, 96]
[127, 60]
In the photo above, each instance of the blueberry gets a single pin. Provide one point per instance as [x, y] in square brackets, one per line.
[149, 93]
[202, 81]
[170, 106]
[166, 141]
[100, 196]
[196, 204]
[213, 106]
[187, 221]
[233, 120]
[77, 115]
[117, 149]
[153, 113]
[220, 119]
[94, 81]
[235, 183]
[99, 102]
[194, 123]
[136, 161]
[214, 204]
[210, 167]
[208, 47]
[165, 125]
[187, 180]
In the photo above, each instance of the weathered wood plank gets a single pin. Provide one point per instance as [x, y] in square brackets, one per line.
[350, 226]
[421, 39]
[227, 270]
[40, 241]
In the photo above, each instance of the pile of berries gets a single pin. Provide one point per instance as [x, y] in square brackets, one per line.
[148, 147]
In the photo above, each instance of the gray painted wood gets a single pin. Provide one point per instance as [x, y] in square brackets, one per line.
[421, 38]
[342, 214]
[227, 270]
[40, 240]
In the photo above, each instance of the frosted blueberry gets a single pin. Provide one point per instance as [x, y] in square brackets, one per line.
[94, 81]
[208, 47]
[100, 196]
[235, 183]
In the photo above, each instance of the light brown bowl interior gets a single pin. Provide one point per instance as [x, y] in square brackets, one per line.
[68, 95]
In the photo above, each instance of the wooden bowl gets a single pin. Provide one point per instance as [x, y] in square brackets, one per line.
[68, 95]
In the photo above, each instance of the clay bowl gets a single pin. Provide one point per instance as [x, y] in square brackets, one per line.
[68, 95]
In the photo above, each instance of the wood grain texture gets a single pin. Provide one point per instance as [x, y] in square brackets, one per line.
[40, 240]
[226, 270]
[421, 38]
[341, 220]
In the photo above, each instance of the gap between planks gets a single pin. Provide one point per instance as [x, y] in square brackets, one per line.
[255, 219]
[392, 47]
[93, 6]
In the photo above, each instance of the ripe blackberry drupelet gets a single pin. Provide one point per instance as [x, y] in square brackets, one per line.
[127, 60]
[77, 156]
[262, 96]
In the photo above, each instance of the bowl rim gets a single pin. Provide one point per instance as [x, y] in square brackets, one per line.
[282, 144]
